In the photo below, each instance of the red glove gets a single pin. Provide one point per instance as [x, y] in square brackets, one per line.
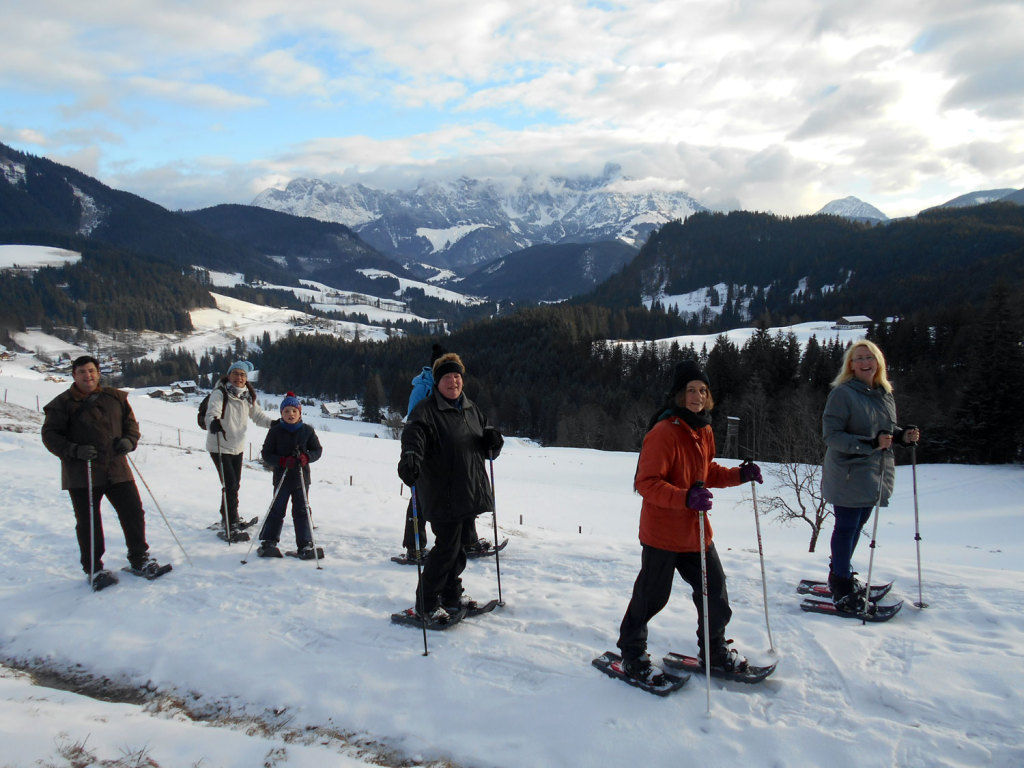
[303, 459]
[288, 462]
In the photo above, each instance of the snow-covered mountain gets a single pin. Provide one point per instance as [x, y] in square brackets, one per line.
[853, 208]
[465, 222]
[977, 198]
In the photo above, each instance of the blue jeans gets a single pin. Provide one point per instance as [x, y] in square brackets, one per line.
[845, 534]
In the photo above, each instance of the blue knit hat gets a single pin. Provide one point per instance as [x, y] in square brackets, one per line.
[292, 400]
[241, 365]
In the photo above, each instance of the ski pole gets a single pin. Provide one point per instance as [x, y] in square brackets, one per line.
[497, 553]
[760, 552]
[874, 534]
[223, 491]
[704, 597]
[309, 515]
[266, 517]
[419, 569]
[166, 521]
[92, 523]
[917, 529]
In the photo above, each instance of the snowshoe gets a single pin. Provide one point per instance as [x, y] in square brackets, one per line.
[412, 618]
[268, 549]
[876, 611]
[478, 547]
[452, 605]
[823, 590]
[474, 551]
[409, 558]
[102, 579]
[150, 569]
[741, 672]
[611, 664]
[641, 669]
[237, 535]
[240, 525]
[307, 553]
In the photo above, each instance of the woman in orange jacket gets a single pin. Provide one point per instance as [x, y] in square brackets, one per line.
[675, 470]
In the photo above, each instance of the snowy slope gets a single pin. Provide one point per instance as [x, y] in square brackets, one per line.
[285, 657]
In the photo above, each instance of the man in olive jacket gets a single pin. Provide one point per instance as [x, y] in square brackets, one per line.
[91, 429]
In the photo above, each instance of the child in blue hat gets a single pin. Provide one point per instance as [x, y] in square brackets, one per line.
[290, 446]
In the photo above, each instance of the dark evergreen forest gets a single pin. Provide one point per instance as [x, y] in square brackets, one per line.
[549, 374]
[107, 290]
[789, 270]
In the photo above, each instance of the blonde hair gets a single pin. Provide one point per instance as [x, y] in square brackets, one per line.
[881, 378]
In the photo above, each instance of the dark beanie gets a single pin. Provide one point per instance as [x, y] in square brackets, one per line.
[687, 371]
[449, 362]
[436, 352]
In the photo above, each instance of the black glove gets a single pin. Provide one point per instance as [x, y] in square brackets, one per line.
[409, 468]
[750, 472]
[874, 441]
[84, 452]
[698, 497]
[902, 435]
[123, 445]
[492, 441]
[216, 427]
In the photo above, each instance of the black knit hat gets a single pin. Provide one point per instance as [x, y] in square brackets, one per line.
[687, 371]
[449, 362]
[436, 352]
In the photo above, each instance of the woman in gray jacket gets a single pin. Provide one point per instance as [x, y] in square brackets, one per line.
[232, 404]
[859, 427]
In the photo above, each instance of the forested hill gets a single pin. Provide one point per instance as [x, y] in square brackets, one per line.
[319, 250]
[41, 200]
[811, 267]
[108, 290]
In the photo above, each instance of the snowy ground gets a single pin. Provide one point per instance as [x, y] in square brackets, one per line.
[278, 663]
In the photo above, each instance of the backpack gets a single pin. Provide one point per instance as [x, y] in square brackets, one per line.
[203, 405]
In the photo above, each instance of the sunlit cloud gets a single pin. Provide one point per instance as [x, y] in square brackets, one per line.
[780, 105]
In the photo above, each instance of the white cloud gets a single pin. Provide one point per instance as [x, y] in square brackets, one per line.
[772, 104]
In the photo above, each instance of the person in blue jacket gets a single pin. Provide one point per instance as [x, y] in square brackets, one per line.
[422, 387]
[290, 446]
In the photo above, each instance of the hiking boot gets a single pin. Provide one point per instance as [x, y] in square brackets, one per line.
[148, 568]
[851, 603]
[102, 580]
[478, 546]
[437, 615]
[640, 668]
[843, 586]
[846, 596]
[268, 549]
[306, 552]
[725, 658]
[454, 605]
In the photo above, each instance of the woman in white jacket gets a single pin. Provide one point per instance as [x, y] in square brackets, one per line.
[232, 404]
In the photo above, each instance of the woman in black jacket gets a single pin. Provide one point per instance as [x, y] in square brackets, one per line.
[444, 444]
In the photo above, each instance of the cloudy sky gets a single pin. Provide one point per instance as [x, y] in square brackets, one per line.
[778, 105]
